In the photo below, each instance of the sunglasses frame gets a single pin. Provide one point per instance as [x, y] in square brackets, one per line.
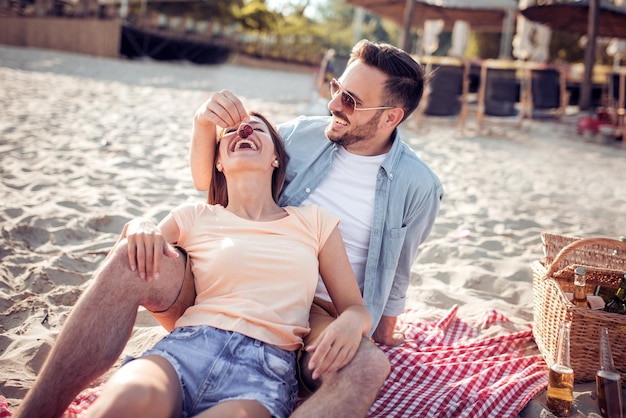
[347, 101]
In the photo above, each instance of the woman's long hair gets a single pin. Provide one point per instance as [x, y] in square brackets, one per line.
[218, 191]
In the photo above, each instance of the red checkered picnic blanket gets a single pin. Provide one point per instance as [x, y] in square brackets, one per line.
[447, 368]
[4, 408]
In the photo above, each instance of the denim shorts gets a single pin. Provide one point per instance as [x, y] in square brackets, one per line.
[214, 365]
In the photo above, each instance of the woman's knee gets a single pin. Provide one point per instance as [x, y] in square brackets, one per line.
[141, 388]
[128, 398]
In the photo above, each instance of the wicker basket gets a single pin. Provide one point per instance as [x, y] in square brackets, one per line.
[605, 262]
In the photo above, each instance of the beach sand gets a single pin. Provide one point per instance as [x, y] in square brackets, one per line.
[87, 143]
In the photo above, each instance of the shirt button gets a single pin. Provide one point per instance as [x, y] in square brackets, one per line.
[391, 175]
[307, 190]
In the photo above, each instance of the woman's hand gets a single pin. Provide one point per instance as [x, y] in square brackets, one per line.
[336, 345]
[146, 248]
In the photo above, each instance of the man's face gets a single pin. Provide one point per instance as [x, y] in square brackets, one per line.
[351, 126]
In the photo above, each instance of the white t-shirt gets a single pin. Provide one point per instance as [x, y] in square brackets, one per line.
[348, 191]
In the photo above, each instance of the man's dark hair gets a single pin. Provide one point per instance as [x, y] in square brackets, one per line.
[405, 85]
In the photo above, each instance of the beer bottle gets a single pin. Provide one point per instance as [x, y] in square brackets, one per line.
[561, 376]
[580, 288]
[608, 381]
[618, 303]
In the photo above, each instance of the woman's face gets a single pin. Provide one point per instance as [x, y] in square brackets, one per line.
[246, 146]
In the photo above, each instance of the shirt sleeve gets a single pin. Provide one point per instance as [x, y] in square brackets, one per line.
[416, 232]
[185, 216]
[327, 223]
[320, 221]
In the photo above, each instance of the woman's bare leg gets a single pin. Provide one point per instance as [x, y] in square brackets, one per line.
[146, 387]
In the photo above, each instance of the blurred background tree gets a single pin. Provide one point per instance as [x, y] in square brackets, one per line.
[298, 31]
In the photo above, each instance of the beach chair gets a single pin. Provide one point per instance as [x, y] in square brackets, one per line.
[544, 91]
[500, 94]
[445, 96]
[616, 82]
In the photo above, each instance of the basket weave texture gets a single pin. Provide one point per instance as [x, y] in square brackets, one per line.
[605, 262]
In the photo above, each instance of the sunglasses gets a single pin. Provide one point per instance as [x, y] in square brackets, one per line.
[347, 101]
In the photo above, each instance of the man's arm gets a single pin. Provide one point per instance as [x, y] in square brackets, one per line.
[222, 109]
[418, 227]
[386, 332]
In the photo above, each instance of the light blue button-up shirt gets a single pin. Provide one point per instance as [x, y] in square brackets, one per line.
[408, 194]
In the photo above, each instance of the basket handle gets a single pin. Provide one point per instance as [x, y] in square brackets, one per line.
[583, 242]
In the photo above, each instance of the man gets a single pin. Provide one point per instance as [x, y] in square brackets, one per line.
[387, 200]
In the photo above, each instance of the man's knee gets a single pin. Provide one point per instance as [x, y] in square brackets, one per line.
[115, 274]
[186, 297]
[372, 362]
[118, 280]
[369, 364]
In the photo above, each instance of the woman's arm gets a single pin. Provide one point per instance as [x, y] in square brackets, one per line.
[339, 342]
[222, 109]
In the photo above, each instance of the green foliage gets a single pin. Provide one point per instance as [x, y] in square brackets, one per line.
[565, 47]
[483, 45]
[255, 16]
[214, 10]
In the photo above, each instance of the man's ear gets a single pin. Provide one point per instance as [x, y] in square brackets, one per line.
[394, 117]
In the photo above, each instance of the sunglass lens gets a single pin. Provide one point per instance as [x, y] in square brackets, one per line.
[348, 102]
[334, 88]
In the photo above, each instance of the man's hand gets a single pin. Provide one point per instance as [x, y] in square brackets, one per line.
[386, 332]
[222, 109]
[146, 248]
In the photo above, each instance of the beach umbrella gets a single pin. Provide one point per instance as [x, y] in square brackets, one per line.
[573, 16]
[481, 15]
[585, 17]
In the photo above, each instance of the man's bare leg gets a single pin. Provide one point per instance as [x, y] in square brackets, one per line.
[97, 330]
[351, 391]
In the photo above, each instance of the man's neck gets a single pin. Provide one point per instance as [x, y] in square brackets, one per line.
[371, 147]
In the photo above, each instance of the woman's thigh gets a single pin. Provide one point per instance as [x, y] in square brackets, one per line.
[148, 386]
[216, 366]
[238, 408]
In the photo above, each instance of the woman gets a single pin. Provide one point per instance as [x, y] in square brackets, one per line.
[256, 265]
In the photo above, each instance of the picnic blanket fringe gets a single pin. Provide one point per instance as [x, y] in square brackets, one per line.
[447, 368]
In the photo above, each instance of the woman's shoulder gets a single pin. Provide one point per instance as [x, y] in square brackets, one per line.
[198, 208]
[312, 213]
